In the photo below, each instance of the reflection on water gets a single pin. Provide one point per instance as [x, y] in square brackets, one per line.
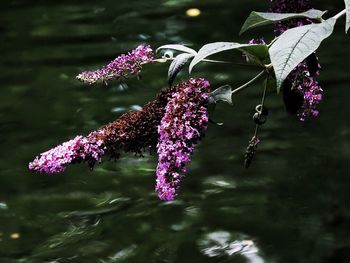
[220, 243]
[193, 12]
[290, 206]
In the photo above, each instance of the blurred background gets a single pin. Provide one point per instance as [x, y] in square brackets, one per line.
[290, 206]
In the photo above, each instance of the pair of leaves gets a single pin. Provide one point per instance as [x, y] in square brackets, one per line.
[179, 61]
[177, 65]
[256, 52]
[257, 19]
[295, 45]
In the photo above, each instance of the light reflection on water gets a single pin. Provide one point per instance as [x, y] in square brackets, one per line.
[220, 243]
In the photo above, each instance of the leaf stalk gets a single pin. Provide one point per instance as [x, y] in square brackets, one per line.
[247, 84]
[340, 14]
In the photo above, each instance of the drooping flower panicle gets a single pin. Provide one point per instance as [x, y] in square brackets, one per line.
[135, 131]
[181, 128]
[174, 123]
[132, 132]
[122, 66]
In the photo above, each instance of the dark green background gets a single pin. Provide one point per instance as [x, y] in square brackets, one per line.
[292, 204]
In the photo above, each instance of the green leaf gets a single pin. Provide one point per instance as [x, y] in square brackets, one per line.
[178, 48]
[177, 65]
[295, 45]
[223, 93]
[347, 7]
[260, 51]
[257, 19]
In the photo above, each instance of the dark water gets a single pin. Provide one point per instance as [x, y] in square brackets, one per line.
[290, 206]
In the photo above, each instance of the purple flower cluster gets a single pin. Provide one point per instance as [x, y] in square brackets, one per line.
[290, 6]
[79, 149]
[181, 127]
[173, 123]
[121, 66]
[309, 88]
[301, 83]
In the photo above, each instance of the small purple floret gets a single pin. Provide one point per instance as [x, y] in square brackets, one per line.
[181, 127]
[257, 41]
[121, 66]
[311, 91]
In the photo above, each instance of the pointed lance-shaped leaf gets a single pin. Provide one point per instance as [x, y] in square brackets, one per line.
[177, 47]
[295, 45]
[257, 19]
[177, 65]
[260, 51]
[347, 7]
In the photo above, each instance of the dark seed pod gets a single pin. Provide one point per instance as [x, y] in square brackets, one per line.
[250, 152]
[259, 119]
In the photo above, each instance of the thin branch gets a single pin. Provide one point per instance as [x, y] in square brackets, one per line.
[262, 107]
[244, 86]
[232, 63]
